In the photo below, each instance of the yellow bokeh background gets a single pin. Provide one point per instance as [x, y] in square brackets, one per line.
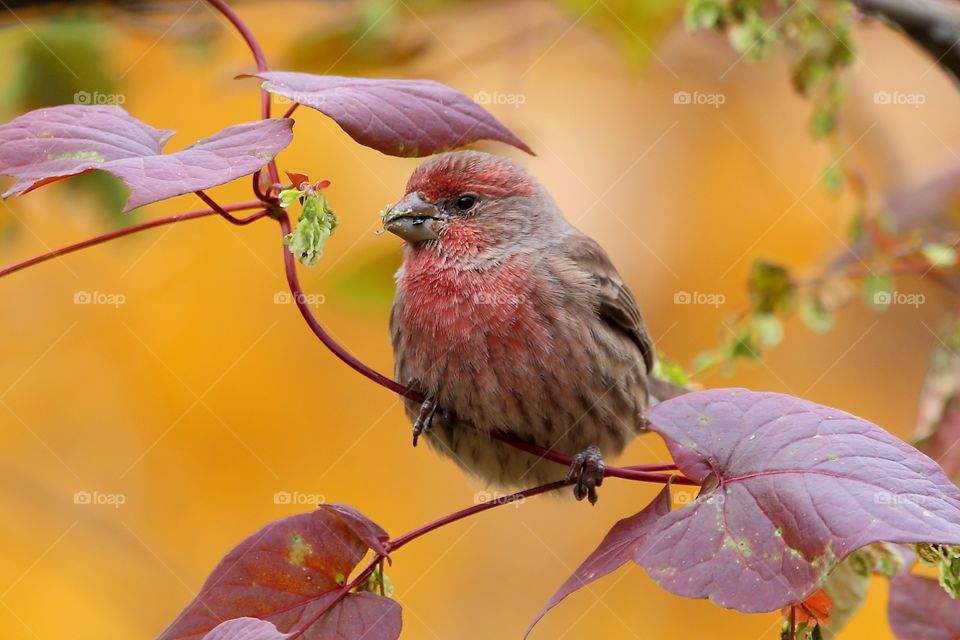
[199, 397]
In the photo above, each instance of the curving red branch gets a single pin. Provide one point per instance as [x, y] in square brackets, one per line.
[259, 58]
[143, 226]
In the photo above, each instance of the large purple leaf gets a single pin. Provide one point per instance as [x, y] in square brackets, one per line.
[921, 610]
[789, 488]
[616, 548]
[57, 142]
[411, 118]
[287, 574]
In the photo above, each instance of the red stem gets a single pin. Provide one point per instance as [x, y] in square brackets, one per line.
[245, 33]
[143, 226]
[261, 61]
[299, 298]
[344, 591]
[225, 214]
[294, 283]
[793, 623]
[396, 543]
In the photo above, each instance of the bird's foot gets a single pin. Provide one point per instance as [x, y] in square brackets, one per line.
[425, 419]
[587, 469]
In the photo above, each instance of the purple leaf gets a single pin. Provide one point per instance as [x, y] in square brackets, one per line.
[366, 529]
[245, 629]
[921, 610]
[288, 573]
[789, 488]
[410, 118]
[50, 144]
[616, 548]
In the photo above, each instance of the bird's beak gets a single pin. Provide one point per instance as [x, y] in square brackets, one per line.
[412, 219]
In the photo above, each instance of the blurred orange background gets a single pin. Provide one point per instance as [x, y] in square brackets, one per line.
[200, 397]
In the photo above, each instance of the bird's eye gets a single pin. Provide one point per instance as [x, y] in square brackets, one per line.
[466, 201]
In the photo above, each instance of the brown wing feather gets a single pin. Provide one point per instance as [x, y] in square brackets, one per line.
[615, 303]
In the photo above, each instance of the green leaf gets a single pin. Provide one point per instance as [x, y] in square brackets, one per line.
[878, 291]
[939, 255]
[947, 559]
[771, 288]
[314, 227]
[833, 177]
[753, 36]
[814, 315]
[703, 14]
[768, 330]
[823, 121]
[670, 371]
[289, 196]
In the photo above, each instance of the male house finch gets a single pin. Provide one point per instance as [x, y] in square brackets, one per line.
[509, 318]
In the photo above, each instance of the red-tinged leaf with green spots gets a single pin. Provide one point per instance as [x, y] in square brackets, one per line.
[399, 117]
[616, 548]
[366, 529]
[246, 629]
[50, 144]
[920, 609]
[789, 489]
[291, 574]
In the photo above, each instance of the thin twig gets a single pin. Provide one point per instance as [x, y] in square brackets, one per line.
[143, 226]
[396, 543]
[226, 214]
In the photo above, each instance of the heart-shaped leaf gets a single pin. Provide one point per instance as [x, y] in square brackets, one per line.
[616, 548]
[50, 144]
[789, 489]
[410, 118]
[920, 609]
[289, 573]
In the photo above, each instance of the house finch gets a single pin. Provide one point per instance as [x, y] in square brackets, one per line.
[509, 318]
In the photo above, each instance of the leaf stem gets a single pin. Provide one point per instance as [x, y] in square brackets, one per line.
[259, 58]
[341, 594]
[245, 33]
[226, 214]
[119, 233]
[793, 623]
[396, 543]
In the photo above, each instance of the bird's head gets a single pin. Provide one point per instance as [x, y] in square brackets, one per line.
[469, 202]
